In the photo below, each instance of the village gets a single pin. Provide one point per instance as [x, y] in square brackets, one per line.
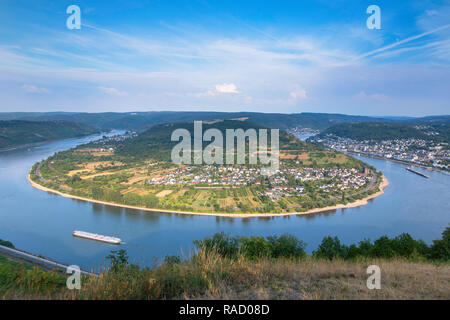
[415, 151]
[111, 140]
[284, 182]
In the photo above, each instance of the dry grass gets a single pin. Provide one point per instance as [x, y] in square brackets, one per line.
[93, 165]
[102, 153]
[208, 276]
[312, 279]
[136, 178]
[74, 172]
[163, 193]
[302, 156]
[322, 279]
[91, 176]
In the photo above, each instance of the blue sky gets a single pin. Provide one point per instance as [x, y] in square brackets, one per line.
[262, 56]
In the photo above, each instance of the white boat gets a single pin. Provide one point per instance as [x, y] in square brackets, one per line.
[97, 237]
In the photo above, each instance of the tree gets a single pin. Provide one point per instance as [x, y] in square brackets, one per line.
[255, 247]
[287, 246]
[150, 201]
[6, 244]
[383, 248]
[405, 246]
[440, 250]
[132, 199]
[222, 243]
[119, 259]
[97, 193]
[331, 248]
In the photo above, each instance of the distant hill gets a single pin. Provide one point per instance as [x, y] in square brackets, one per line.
[434, 130]
[16, 133]
[430, 120]
[144, 120]
[141, 121]
[156, 142]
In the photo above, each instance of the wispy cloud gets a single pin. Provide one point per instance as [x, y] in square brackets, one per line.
[113, 91]
[375, 96]
[265, 67]
[226, 88]
[34, 89]
[398, 43]
[298, 94]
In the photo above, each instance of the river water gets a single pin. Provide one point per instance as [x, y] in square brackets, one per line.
[42, 223]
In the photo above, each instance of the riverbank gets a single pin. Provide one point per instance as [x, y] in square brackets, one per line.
[408, 163]
[37, 260]
[384, 183]
[40, 143]
[27, 145]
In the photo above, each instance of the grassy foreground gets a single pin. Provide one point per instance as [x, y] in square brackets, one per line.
[213, 277]
[229, 268]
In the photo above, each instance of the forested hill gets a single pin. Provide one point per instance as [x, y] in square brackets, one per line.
[156, 142]
[144, 120]
[389, 131]
[16, 133]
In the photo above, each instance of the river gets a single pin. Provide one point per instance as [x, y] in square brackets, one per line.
[42, 223]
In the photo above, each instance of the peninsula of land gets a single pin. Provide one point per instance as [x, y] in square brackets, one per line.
[136, 171]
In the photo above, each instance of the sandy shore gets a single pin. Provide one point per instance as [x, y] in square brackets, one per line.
[357, 203]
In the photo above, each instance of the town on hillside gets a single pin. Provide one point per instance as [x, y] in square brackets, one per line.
[415, 151]
[283, 182]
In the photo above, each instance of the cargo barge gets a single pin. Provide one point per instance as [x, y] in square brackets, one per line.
[96, 237]
[417, 172]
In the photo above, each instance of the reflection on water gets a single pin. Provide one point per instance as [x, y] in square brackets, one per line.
[42, 222]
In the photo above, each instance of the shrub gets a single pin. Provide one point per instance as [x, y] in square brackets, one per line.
[6, 243]
[401, 246]
[286, 246]
[255, 247]
[404, 245]
[14, 276]
[225, 245]
[440, 249]
[171, 260]
[383, 248]
[365, 248]
[353, 252]
[118, 259]
[330, 248]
